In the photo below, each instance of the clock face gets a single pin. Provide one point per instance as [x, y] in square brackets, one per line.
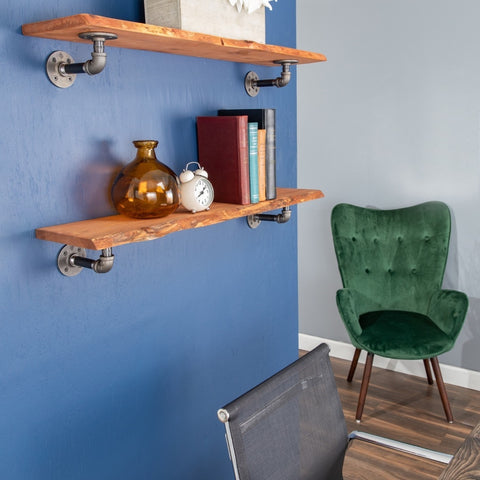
[203, 192]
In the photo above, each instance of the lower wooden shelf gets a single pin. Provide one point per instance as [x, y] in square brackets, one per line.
[108, 232]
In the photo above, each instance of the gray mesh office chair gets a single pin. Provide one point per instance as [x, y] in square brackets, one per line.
[291, 427]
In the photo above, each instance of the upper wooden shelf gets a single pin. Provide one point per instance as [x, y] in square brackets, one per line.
[141, 36]
[108, 232]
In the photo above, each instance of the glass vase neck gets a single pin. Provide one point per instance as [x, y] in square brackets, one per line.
[146, 147]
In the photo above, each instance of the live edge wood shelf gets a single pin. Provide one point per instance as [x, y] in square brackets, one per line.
[141, 36]
[108, 232]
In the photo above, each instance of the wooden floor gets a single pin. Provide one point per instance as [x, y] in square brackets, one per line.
[405, 408]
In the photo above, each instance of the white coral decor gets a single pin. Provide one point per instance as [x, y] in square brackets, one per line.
[250, 5]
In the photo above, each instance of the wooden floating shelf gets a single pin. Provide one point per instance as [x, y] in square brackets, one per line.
[141, 36]
[108, 232]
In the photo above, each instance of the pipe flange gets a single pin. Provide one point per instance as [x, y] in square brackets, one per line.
[64, 264]
[253, 221]
[97, 35]
[250, 82]
[52, 67]
[285, 62]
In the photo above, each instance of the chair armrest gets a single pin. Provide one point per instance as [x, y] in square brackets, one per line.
[447, 310]
[349, 304]
[401, 446]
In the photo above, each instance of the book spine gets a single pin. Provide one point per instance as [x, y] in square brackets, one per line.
[261, 164]
[253, 160]
[270, 154]
[244, 161]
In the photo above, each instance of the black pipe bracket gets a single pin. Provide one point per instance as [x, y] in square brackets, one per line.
[61, 68]
[253, 83]
[72, 260]
[255, 220]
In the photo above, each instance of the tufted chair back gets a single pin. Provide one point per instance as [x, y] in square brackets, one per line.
[394, 259]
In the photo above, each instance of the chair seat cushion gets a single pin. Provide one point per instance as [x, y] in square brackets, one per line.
[403, 335]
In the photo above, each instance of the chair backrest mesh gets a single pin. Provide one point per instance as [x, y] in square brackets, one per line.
[291, 427]
[394, 259]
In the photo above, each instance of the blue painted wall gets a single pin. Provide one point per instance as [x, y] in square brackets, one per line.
[119, 376]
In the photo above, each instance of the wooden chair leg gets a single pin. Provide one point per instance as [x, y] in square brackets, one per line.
[353, 365]
[428, 371]
[363, 389]
[441, 389]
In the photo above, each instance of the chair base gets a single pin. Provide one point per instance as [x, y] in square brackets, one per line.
[366, 381]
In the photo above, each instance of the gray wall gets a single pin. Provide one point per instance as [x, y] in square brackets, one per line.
[391, 119]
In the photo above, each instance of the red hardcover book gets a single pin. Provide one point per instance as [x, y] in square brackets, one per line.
[223, 153]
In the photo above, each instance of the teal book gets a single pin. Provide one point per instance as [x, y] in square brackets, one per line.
[253, 161]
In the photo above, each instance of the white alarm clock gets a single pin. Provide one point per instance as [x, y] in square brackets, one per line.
[195, 189]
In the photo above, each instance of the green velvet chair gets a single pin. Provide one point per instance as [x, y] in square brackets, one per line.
[392, 264]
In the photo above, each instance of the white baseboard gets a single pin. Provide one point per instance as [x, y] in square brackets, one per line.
[451, 375]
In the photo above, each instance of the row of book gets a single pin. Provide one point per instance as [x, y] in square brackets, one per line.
[238, 150]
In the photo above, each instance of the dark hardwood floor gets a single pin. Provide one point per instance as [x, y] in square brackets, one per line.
[405, 408]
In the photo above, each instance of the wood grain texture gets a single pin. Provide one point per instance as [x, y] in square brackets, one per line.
[406, 408]
[108, 232]
[466, 462]
[141, 36]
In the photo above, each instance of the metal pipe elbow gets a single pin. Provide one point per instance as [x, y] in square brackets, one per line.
[284, 217]
[96, 64]
[283, 80]
[104, 263]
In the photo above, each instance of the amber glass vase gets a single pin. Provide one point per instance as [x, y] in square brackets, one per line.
[146, 188]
